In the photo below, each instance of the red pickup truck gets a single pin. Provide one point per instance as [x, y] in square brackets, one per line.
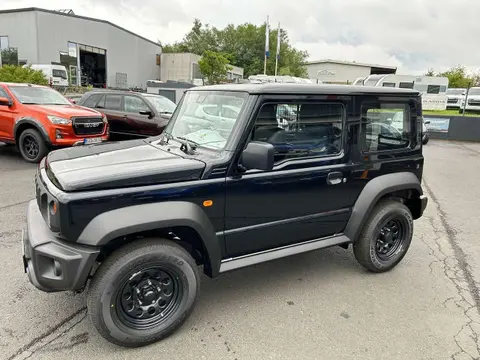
[38, 119]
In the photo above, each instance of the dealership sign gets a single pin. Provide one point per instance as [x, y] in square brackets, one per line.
[438, 124]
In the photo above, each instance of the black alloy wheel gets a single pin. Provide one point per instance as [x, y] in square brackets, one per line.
[30, 146]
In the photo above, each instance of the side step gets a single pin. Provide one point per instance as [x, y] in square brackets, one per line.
[267, 255]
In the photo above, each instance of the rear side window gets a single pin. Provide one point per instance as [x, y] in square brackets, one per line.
[385, 126]
[92, 100]
[113, 102]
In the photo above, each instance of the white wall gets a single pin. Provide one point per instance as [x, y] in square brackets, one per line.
[126, 53]
[21, 30]
[179, 67]
[337, 73]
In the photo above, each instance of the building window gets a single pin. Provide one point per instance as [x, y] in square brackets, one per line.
[9, 56]
[158, 60]
[4, 42]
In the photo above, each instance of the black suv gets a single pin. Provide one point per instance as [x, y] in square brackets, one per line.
[131, 115]
[138, 218]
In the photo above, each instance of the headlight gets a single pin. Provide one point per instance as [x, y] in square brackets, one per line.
[59, 121]
[104, 119]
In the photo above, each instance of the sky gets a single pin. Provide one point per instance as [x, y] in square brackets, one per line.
[414, 35]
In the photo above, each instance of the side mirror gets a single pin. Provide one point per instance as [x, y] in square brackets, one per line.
[5, 102]
[258, 156]
[426, 122]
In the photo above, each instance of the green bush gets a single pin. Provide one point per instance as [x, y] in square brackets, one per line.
[19, 74]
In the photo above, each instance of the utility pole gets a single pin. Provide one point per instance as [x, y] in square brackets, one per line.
[278, 50]
[466, 98]
[267, 47]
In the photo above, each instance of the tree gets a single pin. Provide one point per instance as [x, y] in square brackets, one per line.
[457, 77]
[19, 74]
[214, 67]
[243, 46]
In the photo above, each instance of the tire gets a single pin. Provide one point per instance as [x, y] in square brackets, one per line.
[425, 139]
[107, 298]
[366, 250]
[32, 146]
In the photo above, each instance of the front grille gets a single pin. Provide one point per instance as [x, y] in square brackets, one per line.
[452, 101]
[88, 126]
[474, 102]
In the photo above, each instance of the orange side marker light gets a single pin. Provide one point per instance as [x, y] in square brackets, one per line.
[208, 203]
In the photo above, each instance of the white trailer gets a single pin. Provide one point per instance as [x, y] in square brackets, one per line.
[433, 88]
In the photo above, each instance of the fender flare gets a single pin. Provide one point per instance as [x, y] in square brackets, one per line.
[136, 218]
[372, 192]
[35, 123]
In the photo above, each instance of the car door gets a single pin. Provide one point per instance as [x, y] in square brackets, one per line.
[306, 195]
[111, 106]
[6, 118]
[139, 124]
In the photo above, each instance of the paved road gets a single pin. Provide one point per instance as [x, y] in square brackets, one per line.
[319, 305]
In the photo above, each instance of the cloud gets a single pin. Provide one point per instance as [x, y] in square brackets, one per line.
[414, 35]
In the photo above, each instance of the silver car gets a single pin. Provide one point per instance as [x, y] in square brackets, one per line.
[455, 96]
[472, 102]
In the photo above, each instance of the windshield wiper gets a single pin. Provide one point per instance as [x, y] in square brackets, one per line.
[187, 147]
[165, 112]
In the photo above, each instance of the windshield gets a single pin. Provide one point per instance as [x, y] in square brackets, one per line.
[207, 118]
[455, 91]
[474, 91]
[59, 73]
[161, 103]
[38, 95]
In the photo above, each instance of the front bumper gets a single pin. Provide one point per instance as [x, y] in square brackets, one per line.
[50, 263]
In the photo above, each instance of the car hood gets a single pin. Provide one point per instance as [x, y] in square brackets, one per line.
[66, 111]
[118, 164]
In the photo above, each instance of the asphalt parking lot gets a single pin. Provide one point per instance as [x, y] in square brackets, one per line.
[319, 305]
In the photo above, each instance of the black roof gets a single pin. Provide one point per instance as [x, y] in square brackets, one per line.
[78, 17]
[321, 89]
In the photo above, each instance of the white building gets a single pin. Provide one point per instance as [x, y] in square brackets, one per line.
[184, 67]
[107, 54]
[344, 72]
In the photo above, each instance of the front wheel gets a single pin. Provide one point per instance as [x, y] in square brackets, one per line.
[143, 292]
[385, 238]
[32, 146]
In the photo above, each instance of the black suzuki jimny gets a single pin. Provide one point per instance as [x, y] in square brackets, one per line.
[242, 174]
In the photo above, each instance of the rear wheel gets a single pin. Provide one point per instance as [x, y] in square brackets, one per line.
[32, 146]
[385, 238]
[143, 292]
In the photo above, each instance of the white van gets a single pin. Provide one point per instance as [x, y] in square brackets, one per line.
[56, 74]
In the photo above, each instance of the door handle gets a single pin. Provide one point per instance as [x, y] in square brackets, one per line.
[334, 178]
